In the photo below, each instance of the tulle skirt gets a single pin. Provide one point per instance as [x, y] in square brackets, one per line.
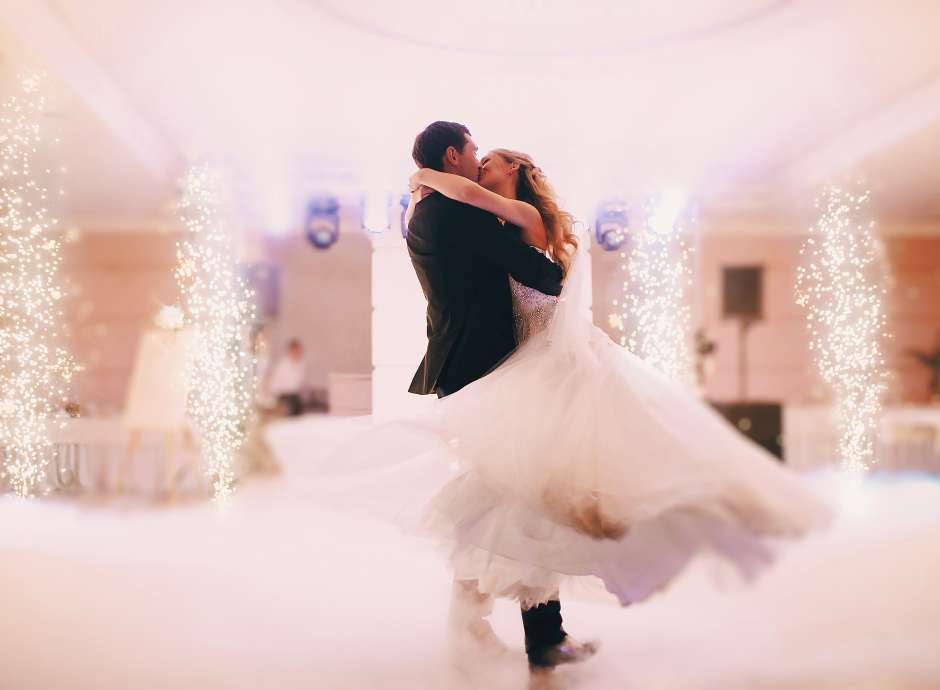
[575, 458]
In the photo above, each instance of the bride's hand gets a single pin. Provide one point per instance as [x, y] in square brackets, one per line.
[590, 519]
[584, 513]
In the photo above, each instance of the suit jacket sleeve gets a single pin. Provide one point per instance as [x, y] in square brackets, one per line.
[488, 239]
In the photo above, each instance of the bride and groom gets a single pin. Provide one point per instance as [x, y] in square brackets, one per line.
[570, 456]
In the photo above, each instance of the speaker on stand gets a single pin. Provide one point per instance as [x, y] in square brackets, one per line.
[742, 300]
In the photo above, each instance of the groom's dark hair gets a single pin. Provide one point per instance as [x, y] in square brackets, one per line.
[433, 142]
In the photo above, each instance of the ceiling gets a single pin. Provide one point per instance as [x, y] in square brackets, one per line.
[748, 105]
[549, 27]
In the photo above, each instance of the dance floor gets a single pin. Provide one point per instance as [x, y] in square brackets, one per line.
[276, 592]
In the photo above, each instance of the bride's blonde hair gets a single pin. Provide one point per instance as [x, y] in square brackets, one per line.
[534, 188]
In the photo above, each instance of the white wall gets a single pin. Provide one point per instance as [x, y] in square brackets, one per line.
[326, 300]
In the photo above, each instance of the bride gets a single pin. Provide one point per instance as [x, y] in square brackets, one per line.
[573, 457]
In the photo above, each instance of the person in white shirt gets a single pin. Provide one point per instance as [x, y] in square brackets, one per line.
[287, 378]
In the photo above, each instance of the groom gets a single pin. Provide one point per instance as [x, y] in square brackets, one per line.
[463, 257]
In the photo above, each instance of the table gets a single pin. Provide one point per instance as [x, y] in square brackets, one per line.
[908, 437]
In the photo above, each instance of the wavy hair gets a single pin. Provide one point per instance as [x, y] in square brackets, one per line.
[534, 188]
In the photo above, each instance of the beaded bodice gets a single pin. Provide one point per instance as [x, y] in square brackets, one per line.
[532, 310]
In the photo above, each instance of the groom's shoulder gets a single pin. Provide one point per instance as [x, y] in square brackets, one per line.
[438, 203]
[437, 207]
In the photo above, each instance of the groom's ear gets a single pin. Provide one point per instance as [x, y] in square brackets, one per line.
[450, 159]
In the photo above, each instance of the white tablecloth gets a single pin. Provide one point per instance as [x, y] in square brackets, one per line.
[85, 446]
[908, 437]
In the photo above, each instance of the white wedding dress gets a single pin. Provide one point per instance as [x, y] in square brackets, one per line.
[575, 458]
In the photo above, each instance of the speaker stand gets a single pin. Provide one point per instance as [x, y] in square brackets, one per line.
[744, 325]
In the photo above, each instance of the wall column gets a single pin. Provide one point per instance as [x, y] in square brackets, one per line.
[399, 330]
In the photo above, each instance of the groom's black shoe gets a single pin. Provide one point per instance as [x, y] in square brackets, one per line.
[568, 651]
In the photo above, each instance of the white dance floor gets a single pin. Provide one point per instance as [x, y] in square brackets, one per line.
[275, 592]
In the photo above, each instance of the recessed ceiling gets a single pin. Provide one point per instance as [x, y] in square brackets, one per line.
[550, 27]
[740, 102]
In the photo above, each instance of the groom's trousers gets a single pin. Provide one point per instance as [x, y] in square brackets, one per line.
[542, 626]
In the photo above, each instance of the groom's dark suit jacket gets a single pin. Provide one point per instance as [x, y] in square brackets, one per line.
[462, 256]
